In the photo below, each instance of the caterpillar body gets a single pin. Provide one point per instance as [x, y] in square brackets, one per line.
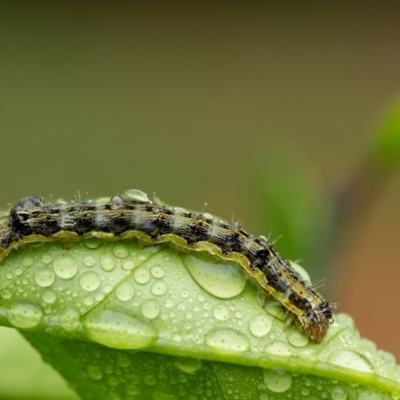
[133, 214]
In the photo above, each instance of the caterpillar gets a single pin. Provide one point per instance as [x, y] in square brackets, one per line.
[133, 214]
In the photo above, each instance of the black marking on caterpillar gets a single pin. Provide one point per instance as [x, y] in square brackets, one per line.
[133, 214]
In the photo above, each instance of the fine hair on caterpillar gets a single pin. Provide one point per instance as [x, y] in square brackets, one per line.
[133, 214]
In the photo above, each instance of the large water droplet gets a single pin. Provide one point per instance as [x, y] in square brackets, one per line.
[92, 243]
[6, 294]
[24, 314]
[274, 308]
[278, 349]
[277, 380]
[65, 266]
[49, 296]
[27, 261]
[297, 338]
[338, 393]
[226, 341]
[141, 275]
[70, 319]
[127, 265]
[120, 251]
[46, 258]
[220, 278]
[89, 281]
[89, 261]
[44, 276]
[123, 361]
[260, 325]
[125, 291]
[350, 359]
[369, 394]
[159, 288]
[157, 271]
[107, 261]
[94, 372]
[221, 312]
[118, 330]
[150, 309]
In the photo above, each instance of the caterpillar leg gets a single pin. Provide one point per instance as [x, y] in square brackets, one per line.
[263, 295]
[290, 319]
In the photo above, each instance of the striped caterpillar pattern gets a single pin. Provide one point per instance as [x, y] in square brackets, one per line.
[133, 214]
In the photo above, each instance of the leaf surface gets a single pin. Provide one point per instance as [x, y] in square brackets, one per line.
[120, 320]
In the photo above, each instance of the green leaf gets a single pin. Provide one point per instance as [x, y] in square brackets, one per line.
[123, 321]
[388, 144]
[24, 375]
[293, 205]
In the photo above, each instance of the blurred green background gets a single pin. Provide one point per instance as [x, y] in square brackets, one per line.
[207, 103]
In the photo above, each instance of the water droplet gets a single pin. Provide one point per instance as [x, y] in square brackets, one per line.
[181, 306]
[226, 341]
[141, 275]
[6, 294]
[125, 291]
[157, 271]
[159, 288]
[24, 314]
[99, 297]
[94, 372]
[169, 303]
[65, 266]
[344, 320]
[118, 330]
[150, 309]
[127, 265]
[221, 312]
[188, 365]
[369, 394]
[107, 261]
[150, 380]
[274, 308]
[388, 358]
[350, 359]
[46, 259]
[222, 279]
[277, 380]
[123, 360]
[89, 281]
[338, 394]
[278, 349]
[89, 261]
[297, 338]
[260, 325]
[189, 315]
[120, 251]
[92, 243]
[70, 319]
[107, 288]
[27, 262]
[49, 296]
[88, 301]
[44, 276]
